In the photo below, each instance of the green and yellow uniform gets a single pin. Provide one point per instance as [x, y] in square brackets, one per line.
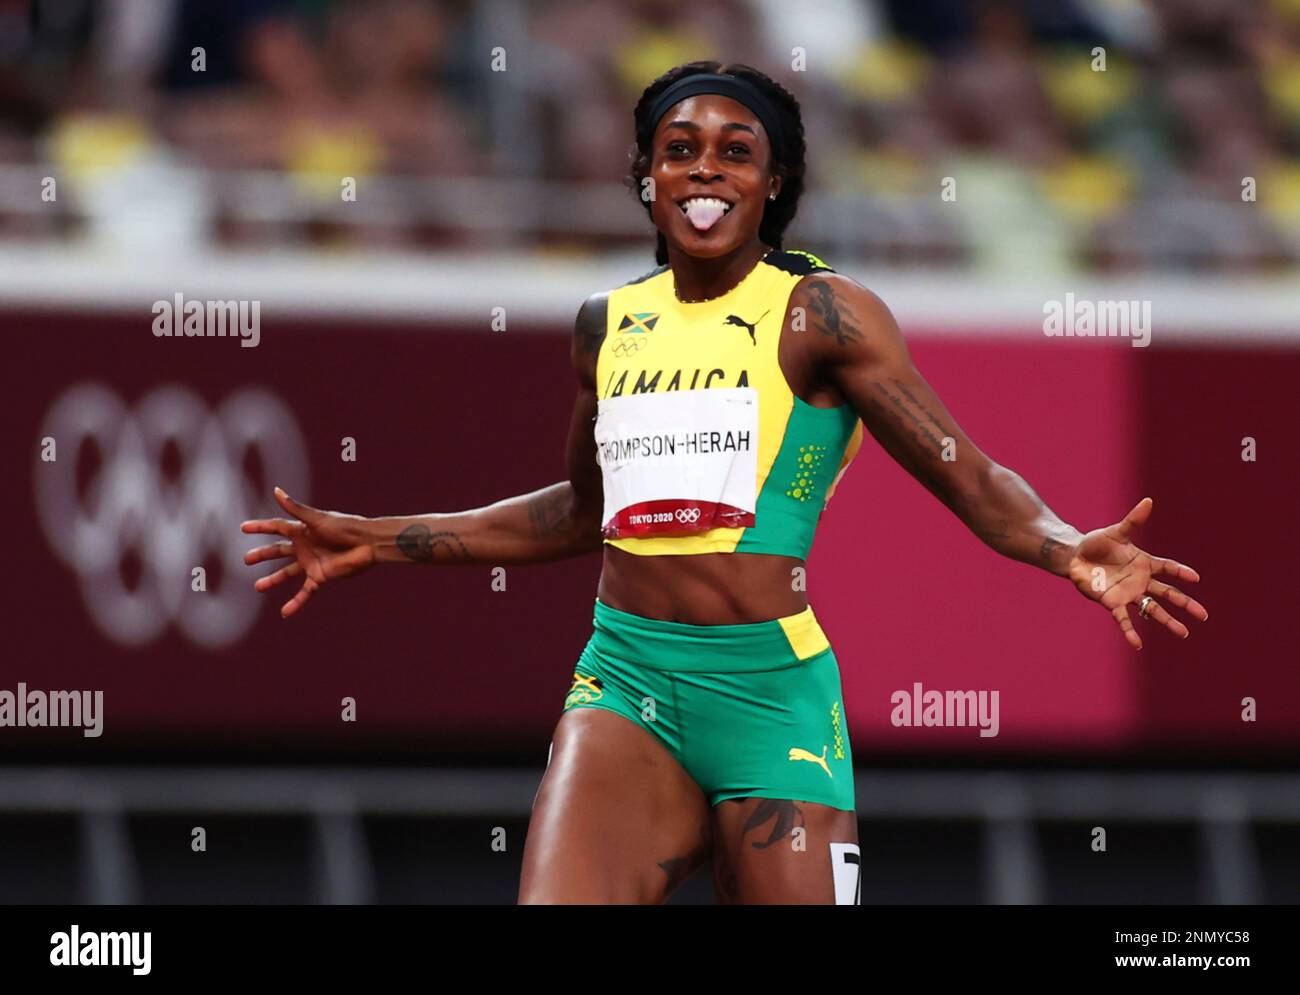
[704, 448]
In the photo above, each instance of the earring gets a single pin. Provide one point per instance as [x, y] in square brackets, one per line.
[771, 196]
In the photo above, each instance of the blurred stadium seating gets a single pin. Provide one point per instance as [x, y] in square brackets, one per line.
[1135, 166]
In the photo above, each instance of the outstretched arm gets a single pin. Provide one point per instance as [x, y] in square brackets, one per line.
[552, 523]
[855, 346]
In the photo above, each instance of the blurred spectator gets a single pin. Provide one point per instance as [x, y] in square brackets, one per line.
[1110, 132]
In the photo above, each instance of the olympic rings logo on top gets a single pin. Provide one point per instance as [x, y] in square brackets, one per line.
[170, 522]
[688, 515]
[628, 345]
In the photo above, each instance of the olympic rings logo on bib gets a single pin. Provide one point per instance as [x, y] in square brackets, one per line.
[659, 518]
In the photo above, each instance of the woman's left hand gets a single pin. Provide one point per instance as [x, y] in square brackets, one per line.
[1107, 567]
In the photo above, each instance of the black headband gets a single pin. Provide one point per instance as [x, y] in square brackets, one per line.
[737, 88]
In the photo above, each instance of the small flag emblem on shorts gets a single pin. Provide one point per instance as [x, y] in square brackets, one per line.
[583, 690]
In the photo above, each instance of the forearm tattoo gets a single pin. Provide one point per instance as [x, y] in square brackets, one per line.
[420, 544]
[1050, 546]
[550, 515]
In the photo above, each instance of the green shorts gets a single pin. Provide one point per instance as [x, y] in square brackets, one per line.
[751, 710]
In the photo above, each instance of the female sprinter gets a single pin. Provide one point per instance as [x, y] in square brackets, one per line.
[720, 396]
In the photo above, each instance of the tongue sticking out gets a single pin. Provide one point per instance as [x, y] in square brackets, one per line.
[703, 216]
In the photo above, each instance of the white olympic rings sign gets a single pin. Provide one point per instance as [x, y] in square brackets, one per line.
[171, 514]
[688, 515]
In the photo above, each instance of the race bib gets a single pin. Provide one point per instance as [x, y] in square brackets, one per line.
[678, 463]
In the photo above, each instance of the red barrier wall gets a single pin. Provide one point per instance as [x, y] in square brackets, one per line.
[455, 419]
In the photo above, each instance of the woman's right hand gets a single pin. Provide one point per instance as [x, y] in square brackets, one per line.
[325, 545]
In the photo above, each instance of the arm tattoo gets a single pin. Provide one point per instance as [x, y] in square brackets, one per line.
[549, 514]
[417, 543]
[1050, 546]
[830, 321]
[905, 416]
[902, 389]
[906, 420]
